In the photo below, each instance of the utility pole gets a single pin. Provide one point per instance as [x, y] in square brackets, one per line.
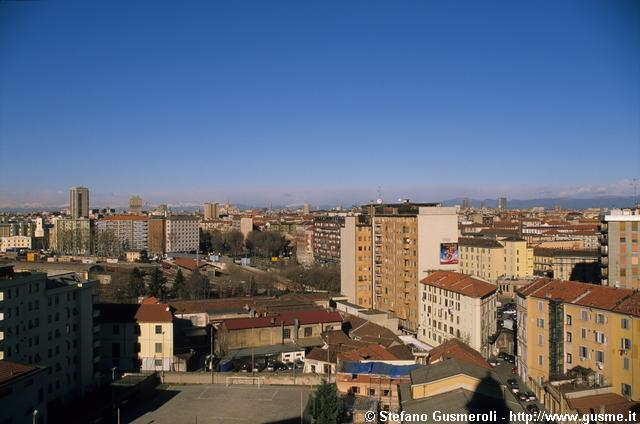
[211, 357]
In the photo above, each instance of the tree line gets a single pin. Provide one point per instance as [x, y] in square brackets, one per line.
[263, 244]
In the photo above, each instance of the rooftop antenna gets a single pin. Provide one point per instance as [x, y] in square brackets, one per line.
[634, 183]
[379, 201]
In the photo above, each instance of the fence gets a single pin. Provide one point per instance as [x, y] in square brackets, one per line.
[282, 379]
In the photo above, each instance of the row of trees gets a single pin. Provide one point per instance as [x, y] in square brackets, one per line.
[228, 243]
[82, 241]
[130, 286]
[319, 277]
[258, 243]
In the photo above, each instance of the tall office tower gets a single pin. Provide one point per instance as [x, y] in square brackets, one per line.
[79, 202]
[135, 205]
[306, 209]
[466, 203]
[211, 211]
[619, 256]
[50, 321]
[388, 248]
[502, 203]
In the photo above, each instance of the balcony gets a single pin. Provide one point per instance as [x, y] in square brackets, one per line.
[604, 261]
[96, 329]
[96, 344]
[604, 250]
[96, 359]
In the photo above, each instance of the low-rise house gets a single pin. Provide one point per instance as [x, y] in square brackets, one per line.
[454, 386]
[295, 327]
[136, 337]
[374, 380]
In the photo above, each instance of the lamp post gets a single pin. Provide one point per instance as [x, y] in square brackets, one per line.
[113, 373]
[33, 416]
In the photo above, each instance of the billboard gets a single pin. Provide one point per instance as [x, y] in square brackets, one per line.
[449, 253]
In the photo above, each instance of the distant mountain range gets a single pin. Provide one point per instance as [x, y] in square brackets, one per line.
[550, 203]
[547, 203]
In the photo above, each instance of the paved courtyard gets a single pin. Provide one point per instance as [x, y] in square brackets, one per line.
[213, 404]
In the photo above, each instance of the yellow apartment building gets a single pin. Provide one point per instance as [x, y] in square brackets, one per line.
[571, 330]
[490, 258]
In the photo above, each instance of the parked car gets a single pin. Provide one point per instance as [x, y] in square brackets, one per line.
[530, 396]
[533, 409]
[514, 370]
[512, 381]
[503, 355]
[522, 396]
[510, 359]
[494, 362]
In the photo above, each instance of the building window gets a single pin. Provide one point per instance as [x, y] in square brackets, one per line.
[158, 347]
[584, 315]
[626, 390]
[286, 333]
[583, 333]
[158, 329]
[624, 323]
[115, 350]
[372, 392]
[568, 319]
[157, 362]
[625, 344]
[569, 358]
[540, 360]
[600, 319]
[540, 340]
[599, 356]
[540, 322]
[625, 363]
[583, 352]
[569, 336]
[308, 331]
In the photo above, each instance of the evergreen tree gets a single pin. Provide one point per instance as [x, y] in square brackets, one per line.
[156, 285]
[323, 404]
[178, 290]
[136, 283]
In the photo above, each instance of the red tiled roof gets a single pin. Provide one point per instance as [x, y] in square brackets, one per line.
[10, 370]
[371, 352]
[154, 313]
[454, 348]
[613, 404]
[283, 318]
[583, 294]
[630, 305]
[459, 283]
[187, 263]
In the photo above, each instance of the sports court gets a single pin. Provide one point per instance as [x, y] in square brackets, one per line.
[217, 404]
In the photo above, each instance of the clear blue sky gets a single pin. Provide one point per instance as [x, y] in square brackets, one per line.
[318, 100]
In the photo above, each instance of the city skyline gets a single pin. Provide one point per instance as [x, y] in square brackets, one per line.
[282, 103]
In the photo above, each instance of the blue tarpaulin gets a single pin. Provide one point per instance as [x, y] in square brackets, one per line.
[378, 368]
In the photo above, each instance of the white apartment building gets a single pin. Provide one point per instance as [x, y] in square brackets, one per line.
[181, 233]
[15, 242]
[132, 231]
[49, 321]
[454, 305]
